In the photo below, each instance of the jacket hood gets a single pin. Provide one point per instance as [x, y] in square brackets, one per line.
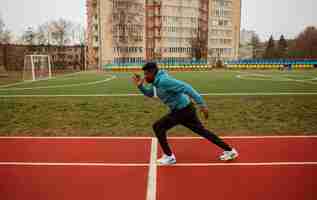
[161, 74]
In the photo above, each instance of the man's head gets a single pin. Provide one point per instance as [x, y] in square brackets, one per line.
[150, 69]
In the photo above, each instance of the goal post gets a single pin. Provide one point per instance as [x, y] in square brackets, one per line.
[3, 71]
[37, 67]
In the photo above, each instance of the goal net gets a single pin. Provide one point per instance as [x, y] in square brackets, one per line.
[37, 67]
[3, 71]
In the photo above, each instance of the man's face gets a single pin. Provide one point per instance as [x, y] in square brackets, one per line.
[149, 76]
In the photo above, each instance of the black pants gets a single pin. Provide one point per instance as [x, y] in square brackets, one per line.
[187, 117]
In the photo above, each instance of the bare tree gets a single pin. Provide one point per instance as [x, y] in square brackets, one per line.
[199, 35]
[198, 44]
[2, 25]
[29, 36]
[43, 34]
[77, 34]
[305, 44]
[128, 17]
[5, 34]
[255, 43]
[61, 31]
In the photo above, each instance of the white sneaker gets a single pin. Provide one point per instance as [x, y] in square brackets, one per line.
[229, 155]
[167, 160]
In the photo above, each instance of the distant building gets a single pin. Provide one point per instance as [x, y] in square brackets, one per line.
[63, 57]
[246, 36]
[167, 30]
[246, 52]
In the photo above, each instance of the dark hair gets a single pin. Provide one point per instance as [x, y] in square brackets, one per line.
[150, 66]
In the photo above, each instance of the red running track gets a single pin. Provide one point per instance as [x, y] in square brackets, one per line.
[252, 150]
[110, 150]
[112, 168]
[72, 182]
[238, 183]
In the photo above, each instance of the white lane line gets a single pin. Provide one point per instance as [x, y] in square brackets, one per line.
[60, 86]
[137, 95]
[244, 164]
[149, 138]
[74, 164]
[151, 186]
[151, 189]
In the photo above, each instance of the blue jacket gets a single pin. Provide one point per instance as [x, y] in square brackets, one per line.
[174, 93]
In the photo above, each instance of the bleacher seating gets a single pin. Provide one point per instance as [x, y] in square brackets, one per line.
[271, 64]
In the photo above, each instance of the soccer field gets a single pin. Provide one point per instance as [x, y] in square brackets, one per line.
[217, 82]
[262, 102]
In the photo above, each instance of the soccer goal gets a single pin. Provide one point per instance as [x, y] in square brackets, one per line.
[3, 71]
[37, 67]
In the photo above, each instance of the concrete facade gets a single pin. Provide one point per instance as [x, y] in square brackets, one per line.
[132, 31]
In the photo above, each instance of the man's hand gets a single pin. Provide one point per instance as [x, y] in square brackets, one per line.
[205, 111]
[137, 80]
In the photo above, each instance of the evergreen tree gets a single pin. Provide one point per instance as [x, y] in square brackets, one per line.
[282, 47]
[270, 51]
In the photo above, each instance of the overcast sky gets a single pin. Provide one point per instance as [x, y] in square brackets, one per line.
[266, 17]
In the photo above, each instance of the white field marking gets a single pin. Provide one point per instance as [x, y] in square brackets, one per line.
[247, 77]
[272, 77]
[150, 138]
[151, 185]
[243, 164]
[300, 81]
[137, 95]
[74, 164]
[60, 86]
[19, 83]
[269, 77]
[148, 165]
[25, 82]
[306, 77]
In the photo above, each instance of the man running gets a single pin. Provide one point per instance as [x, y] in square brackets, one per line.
[176, 95]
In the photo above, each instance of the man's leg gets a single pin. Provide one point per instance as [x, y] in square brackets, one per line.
[161, 127]
[192, 122]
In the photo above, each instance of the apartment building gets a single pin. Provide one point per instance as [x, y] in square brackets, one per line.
[134, 31]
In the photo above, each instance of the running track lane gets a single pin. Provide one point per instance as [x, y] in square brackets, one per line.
[73, 150]
[253, 150]
[261, 182]
[179, 182]
[72, 182]
[237, 182]
[88, 181]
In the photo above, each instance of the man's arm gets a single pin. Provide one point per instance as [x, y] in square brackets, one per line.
[138, 81]
[176, 86]
[147, 91]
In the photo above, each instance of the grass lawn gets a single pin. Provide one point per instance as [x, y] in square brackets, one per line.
[272, 103]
